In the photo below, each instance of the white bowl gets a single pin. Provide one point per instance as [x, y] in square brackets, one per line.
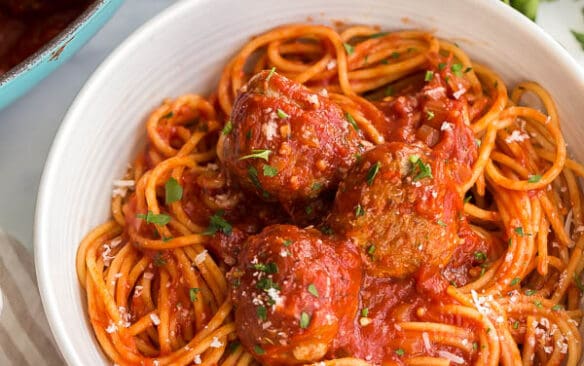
[183, 50]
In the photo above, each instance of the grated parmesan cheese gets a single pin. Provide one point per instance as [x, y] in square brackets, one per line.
[197, 360]
[516, 136]
[200, 258]
[215, 343]
[121, 187]
[446, 126]
[155, 319]
[426, 339]
[451, 357]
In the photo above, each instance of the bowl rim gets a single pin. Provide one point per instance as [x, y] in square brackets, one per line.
[51, 46]
[67, 129]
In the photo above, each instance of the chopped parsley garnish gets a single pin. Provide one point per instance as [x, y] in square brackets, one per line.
[372, 173]
[515, 281]
[287, 242]
[253, 176]
[168, 115]
[365, 312]
[272, 71]
[172, 191]
[227, 128]
[557, 307]
[441, 66]
[378, 35]
[270, 171]
[385, 61]
[159, 260]
[530, 292]
[480, 256]
[352, 121]
[442, 223]
[266, 284]
[313, 290]
[534, 178]
[400, 352]
[538, 303]
[269, 268]
[327, 230]
[371, 249]
[516, 325]
[262, 312]
[359, 211]
[248, 134]
[167, 238]
[478, 142]
[456, 69]
[395, 55]
[304, 320]
[282, 114]
[233, 347]
[316, 186]
[519, 231]
[258, 350]
[430, 115]
[218, 223]
[350, 49]
[308, 210]
[258, 154]
[429, 75]
[579, 37]
[151, 218]
[475, 346]
[193, 293]
[423, 170]
[467, 199]
[468, 69]
[388, 91]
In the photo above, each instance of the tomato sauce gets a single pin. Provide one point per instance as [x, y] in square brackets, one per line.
[27, 25]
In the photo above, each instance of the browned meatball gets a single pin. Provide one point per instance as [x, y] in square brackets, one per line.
[287, 143]
[295, 287]
[400, 208]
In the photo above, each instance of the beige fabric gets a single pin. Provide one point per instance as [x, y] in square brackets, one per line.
[25, 337]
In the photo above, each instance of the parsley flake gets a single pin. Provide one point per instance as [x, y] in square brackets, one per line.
[304, 320]
[258, 154]
[172, 191]
[262, 312]
[159, 260]
[218, 223]
[515, 281]
[395, 55]
[270, 171]
[423, 170]
[516, 325]
[193, 294]
[282, 114]
[365, 312]
[400, 352]
[557, 307]
[534, 178]
[350, 49]
[480, 256]
[151, 218]
[227, 128]
[258, 350]
[371, 249]
[429, 75]
[579, 37]
[456, 69]
[313, 290]
[359, 211]
[519, 231]
[269, 268]
[272, 71]
[378, 35]
[430, 115]
[352, 121]
[372, 173]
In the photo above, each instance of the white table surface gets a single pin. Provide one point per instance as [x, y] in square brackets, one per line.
[28, 126]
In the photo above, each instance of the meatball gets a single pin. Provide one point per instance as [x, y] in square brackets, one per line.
[400, 207]
[287, 143]
[294, 288]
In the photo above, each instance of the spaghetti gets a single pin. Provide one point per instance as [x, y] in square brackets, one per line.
[155, 274]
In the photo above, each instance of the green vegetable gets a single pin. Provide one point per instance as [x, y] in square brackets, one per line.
[352, 121]
[579, 37]
[304, 320]
[227, 128]
[151, 218]
[173, 190]
[218, 223]
[270, 171]
[350, 49]
[372, 173]
[262, 312]
[282, 114]
[193, 294]
[313, 290]
[272, 71]
[257, 154]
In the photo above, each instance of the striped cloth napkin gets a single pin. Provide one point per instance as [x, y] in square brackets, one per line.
[25, 337]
